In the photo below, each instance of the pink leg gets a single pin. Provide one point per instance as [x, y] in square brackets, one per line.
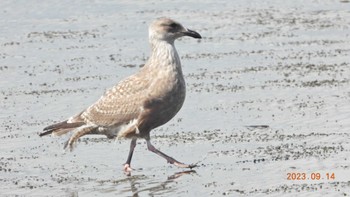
[169, 159]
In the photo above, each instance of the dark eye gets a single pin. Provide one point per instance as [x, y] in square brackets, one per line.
[173, 25]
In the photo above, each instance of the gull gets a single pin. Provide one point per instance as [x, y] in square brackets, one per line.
[139, 103]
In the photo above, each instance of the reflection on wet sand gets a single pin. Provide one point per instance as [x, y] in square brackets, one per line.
[135, 188]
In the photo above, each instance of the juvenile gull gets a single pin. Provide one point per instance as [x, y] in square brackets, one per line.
[141, 102]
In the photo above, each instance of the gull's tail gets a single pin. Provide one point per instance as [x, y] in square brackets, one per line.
[78, 130]
[60, 128]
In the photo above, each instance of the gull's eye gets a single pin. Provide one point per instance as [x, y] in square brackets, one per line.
[173, 25]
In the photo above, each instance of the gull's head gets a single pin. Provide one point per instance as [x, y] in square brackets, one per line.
[169, 30]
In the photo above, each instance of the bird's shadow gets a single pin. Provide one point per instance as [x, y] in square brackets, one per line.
[136, 189]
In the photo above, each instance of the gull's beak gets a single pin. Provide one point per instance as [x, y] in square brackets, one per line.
[192, 33]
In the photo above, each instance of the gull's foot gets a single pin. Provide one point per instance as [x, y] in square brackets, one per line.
[182, 165]
[127, 169]
[194, 165]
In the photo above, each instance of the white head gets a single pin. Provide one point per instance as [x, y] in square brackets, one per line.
[168, 30]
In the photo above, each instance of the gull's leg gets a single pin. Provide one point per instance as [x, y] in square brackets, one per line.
[127, 167]
[169, 159]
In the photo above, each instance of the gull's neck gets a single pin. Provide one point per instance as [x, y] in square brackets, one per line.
[164, 56]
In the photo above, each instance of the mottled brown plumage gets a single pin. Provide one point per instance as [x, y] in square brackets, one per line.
[141, 102]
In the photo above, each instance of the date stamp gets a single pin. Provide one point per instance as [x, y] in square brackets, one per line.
[300, 176]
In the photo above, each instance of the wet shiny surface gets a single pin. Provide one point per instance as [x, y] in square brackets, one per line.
[267, 94]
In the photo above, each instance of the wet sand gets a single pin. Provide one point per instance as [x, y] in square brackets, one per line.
[268, 93]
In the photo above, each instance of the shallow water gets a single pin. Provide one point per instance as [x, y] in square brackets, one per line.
[267, 94]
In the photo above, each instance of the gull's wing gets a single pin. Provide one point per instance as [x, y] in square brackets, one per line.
[120, 104]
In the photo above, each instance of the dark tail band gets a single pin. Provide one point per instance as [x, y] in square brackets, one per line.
[61, 125]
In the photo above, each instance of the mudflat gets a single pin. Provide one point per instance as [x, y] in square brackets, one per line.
[267, 110]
